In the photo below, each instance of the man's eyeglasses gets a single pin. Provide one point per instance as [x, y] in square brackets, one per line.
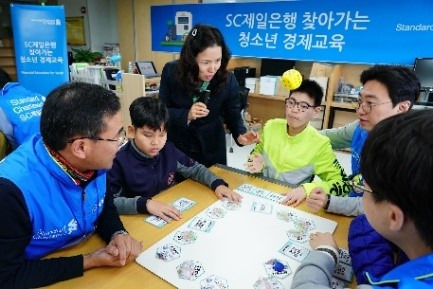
[301, 105]
[120, 139]
[366, 106]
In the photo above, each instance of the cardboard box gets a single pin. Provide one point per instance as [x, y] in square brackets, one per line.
[320, 69]
[257, 90]
[250, 83]
[281, 90]
[323, 82]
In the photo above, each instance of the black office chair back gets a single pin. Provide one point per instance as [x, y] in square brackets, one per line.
[243, 97]
[108, 73]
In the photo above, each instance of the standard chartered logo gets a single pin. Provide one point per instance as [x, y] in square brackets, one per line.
[412, 27]
[28, 107]
[29, 115]
[25, 100]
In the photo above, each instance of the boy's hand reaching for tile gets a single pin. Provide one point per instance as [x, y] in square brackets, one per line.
[224, 192]
[294, 197]
[165, 211]
[322, 239]
[254, 163]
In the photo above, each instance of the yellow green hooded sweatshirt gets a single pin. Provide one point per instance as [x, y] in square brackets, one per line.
[297, 159]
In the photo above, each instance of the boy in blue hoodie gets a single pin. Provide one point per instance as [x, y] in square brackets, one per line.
[148, 165]
[397, 166]
[387, 90]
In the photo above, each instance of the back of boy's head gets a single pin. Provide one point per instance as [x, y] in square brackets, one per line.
[397, 164]
[150, 112]
[312, 89]
[401, 82]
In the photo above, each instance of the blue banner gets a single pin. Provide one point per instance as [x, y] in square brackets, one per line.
[340, 31]
[40, 46]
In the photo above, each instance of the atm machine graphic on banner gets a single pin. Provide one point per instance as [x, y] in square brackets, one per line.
[183, 22]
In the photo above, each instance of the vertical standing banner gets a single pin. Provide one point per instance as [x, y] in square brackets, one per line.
[40, 46]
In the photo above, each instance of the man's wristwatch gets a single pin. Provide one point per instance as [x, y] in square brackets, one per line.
[120, 232]
[327, 203]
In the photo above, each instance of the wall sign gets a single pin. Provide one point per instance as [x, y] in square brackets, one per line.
[345, 31]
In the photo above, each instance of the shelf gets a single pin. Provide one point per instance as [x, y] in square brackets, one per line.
[342, 105]
[7, 52]
[272, 97]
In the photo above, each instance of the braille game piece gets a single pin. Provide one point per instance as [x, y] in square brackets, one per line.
[278, 266]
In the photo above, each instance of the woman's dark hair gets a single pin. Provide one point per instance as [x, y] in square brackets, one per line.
[76, 109]
[150, 112]
[200, 38]
[397, 164]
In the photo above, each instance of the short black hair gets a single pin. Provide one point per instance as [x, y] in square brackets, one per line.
[4, 78]
[397, 164]
[401, 82]
[312, 89]
[76, 108]
[199, 39]
[150, 112]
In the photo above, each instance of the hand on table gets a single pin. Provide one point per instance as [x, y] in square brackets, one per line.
[224, 192]
[124, 247]
[294, 197]
[254, 163]
[165, 211]
[197, 110]
[100, 258]
[317, 199]
[320, 239]
[121, 250]
[250, 137]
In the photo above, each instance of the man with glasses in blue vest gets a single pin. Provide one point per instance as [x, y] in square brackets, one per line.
[53, 191]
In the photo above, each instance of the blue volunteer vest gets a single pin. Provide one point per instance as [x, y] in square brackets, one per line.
[358, 140]
[359, 137]
[23, 109]
[61, 212]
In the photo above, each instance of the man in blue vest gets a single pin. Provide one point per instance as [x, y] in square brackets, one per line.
[20, 110]
[53, 191]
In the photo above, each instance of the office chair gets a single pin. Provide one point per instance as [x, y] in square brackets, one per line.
[109, 71]
[243, 99]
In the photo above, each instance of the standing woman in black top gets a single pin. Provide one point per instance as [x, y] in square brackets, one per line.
[201, 95]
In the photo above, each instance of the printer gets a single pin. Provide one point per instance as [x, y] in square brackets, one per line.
[243, 72]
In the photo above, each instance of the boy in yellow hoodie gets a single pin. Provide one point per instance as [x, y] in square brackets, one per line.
[292, 151]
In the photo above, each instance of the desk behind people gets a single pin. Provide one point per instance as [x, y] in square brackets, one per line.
[135, 276]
